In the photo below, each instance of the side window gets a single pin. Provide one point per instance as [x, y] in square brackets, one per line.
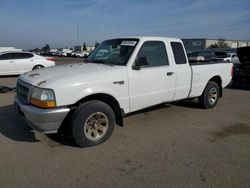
[155, 52]
[22, 55]
[2, 57]
[179, 54]
[6, 56]
[27, 55]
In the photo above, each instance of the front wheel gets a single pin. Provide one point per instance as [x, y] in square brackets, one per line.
[92, 123]
[210, 95]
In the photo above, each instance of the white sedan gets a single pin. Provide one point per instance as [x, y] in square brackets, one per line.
[14, 63]
[233, 58]
[230, 56]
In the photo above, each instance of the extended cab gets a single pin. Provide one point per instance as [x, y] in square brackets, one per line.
[121, 76]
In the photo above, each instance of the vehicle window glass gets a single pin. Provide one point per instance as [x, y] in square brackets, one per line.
[6, 56]
[220, 54]
[194, 54]
[155, 52]
[179, 54]
[2, 57]
[115, 52]
[22, 55]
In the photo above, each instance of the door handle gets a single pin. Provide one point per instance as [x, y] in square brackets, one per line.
[11, 61]
[170, 73]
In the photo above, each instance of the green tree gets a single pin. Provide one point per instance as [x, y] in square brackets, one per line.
[36, 50]
[221, 43]
[84, 46]
[215, 45]
[46, 48]
[97, 44]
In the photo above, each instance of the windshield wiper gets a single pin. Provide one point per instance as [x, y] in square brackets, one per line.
[102, 62]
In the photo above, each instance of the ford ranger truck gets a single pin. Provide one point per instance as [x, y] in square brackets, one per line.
[121, 76]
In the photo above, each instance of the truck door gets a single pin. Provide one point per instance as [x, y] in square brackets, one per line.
[183, 71]
[153, 82]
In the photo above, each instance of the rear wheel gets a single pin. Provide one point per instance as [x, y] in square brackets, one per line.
[92, 123]
[38, 67]
[210, 95]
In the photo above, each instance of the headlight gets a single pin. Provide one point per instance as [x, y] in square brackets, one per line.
[44, 98]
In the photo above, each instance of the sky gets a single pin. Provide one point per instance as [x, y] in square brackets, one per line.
[33, 23]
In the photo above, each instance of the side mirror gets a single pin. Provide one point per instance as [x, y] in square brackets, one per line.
[142, 61]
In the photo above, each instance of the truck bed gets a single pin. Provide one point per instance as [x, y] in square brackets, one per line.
[202, 72]
[206, 62]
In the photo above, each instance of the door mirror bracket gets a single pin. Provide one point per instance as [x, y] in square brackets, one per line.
[141, 61]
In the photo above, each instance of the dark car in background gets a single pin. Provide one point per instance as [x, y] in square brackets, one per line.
[207, 55]
[241, 74]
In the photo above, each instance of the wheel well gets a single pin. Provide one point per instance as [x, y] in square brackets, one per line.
[217, 79]
[36, 66]
[108, 99]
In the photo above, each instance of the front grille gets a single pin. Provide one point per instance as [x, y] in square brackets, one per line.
[23, 90]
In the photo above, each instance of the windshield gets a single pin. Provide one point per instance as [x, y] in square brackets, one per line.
[113, 52]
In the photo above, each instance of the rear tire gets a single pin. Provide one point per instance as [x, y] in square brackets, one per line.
[37, 67]
[92, 123]
[210, 95]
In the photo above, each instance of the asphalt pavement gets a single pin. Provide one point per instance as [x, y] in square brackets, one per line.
[171, 145]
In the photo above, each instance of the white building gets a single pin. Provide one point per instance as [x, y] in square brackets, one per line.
[197, 44]
[90, 48]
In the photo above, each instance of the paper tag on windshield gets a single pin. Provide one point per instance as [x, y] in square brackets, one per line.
[128, 43]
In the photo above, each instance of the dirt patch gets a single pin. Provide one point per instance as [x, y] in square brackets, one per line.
[233, 129]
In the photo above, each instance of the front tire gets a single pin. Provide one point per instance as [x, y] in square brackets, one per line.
[210, 95]
[92, 123]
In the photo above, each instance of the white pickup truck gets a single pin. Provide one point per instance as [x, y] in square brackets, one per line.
[121, 76]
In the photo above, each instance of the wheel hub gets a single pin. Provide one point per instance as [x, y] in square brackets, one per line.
[212, 96]
[96, 126]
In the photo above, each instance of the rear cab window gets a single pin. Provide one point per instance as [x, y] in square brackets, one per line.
[179, 53]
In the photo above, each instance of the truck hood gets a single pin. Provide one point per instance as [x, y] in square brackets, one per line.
[71, 73]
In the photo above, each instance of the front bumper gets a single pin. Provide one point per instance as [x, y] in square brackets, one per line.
[42, 120]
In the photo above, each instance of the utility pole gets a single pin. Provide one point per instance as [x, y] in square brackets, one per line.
[77, 33]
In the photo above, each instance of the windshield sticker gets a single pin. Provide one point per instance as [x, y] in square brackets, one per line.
[128, 43]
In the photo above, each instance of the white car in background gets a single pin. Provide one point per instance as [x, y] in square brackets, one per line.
[233, 58]
[62, 54]
[230, 56]
[80, 54]
[15, 63]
